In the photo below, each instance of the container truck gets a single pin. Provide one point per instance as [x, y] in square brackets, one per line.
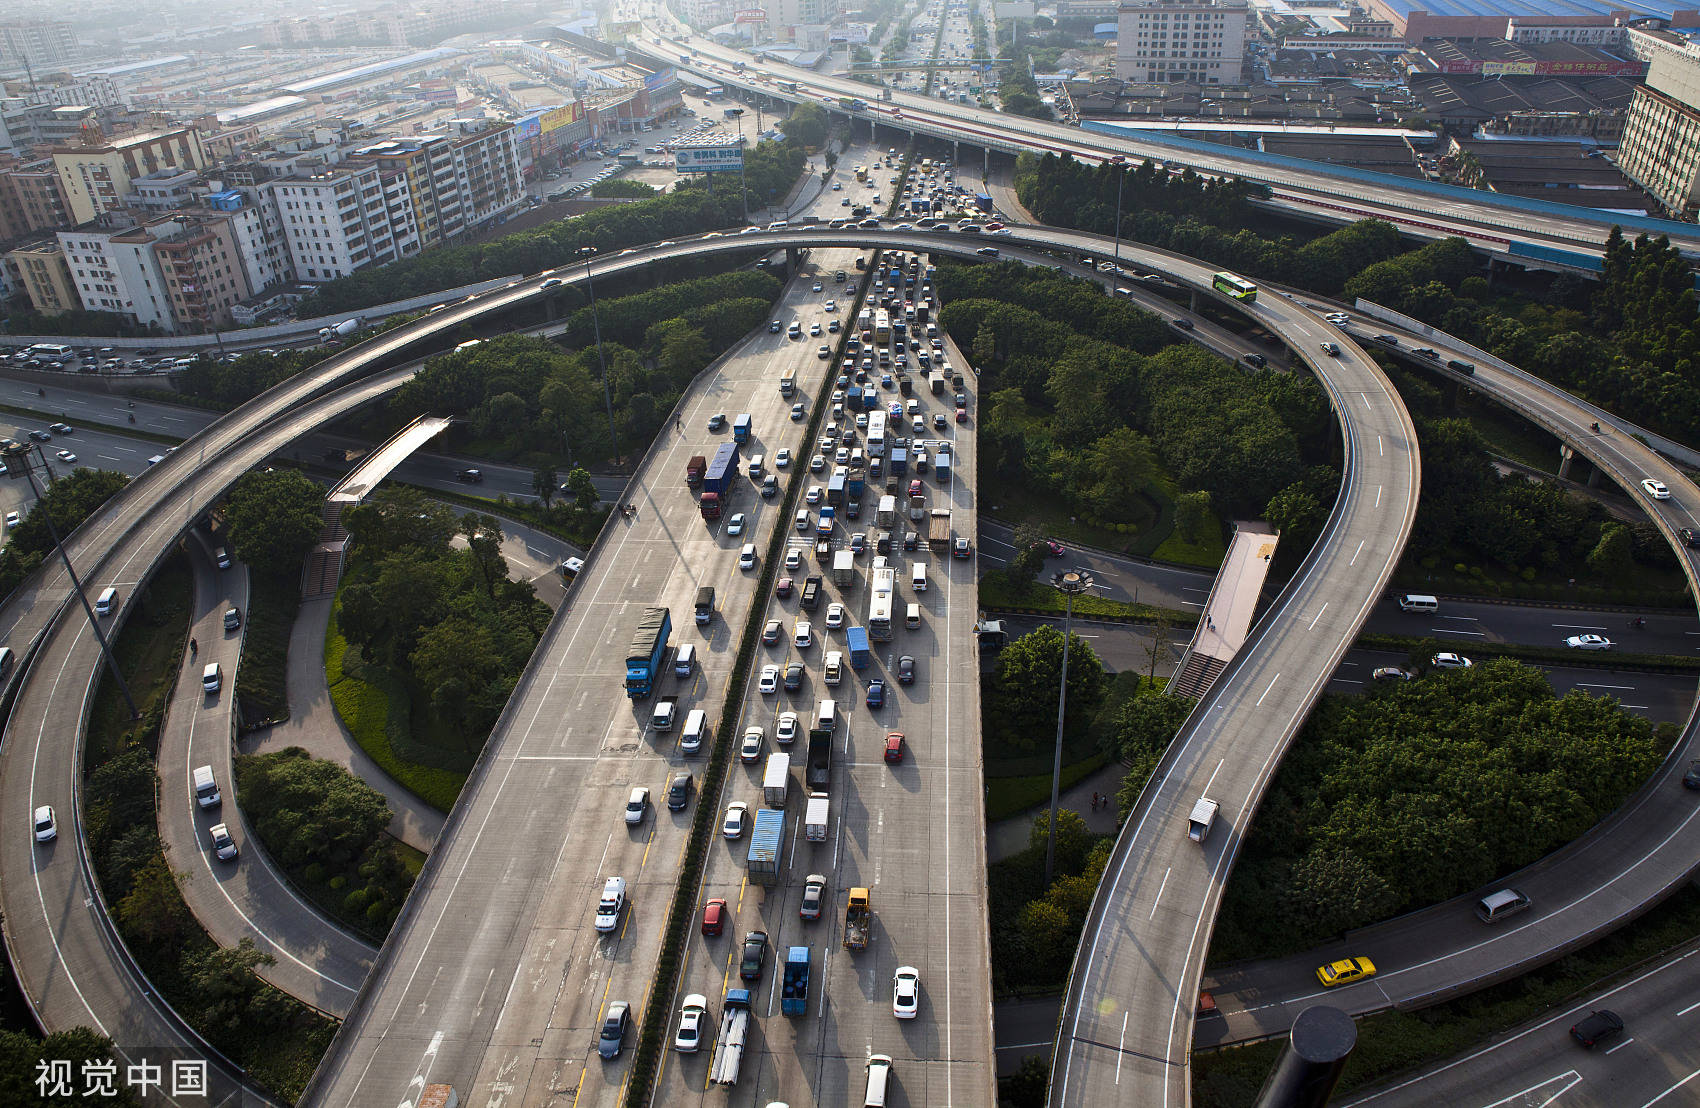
[843, 569]
[643, 658]
[729, 1044]
[983, 201]
[938, 530]
[717, 481]
[887, 515]
[776, 782]
[741, 428]
[339, 330]
[856, 638]
[823, 525]
[765, 845]
[858, 919]
[899, 460]
[819, 775]
[794, 992]
[814, 817]
[694, 469]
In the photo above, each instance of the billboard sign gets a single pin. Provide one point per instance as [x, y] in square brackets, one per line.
[728, 158]
[750, 15]
[1015, 11]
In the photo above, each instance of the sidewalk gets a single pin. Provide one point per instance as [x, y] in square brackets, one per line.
[1010, 836]
[314, 726]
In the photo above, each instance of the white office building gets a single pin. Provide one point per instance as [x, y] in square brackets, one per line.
[1174, 41]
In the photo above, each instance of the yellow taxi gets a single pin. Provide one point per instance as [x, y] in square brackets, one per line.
[1345, 972]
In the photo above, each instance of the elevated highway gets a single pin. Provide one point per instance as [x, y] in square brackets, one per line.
[73, 971]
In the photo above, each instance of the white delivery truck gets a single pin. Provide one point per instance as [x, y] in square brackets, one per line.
[777, 780]
[814, 817]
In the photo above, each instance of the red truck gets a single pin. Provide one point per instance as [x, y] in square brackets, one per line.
[694, 470]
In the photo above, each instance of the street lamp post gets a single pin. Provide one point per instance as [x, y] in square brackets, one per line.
[1071, 583]
[1121, 179]
[587, 252]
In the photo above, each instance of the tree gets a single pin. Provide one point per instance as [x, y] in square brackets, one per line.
[1191, 510]
[229, 996]
[1074, 840]
[582, 488]
[806, 124]
[60, 1058]
[306, 809]
[1028, 1087]
[1612, 557]
[543, 481]
[154, 908]
[273, 517]
[1029, 674]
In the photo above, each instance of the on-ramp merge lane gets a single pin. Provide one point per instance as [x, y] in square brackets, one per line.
[1128, 1015]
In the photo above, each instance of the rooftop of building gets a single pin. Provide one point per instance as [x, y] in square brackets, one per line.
[1535, 9]
[1453, 96]
[1443, 50]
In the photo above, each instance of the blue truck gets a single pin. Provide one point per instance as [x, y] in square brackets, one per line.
[718, 480]
[794, 992]
[765, 845]
[984, 202]
[824, 526]
[741, 429]
[854, 484]
[856, 638]
[649, 644]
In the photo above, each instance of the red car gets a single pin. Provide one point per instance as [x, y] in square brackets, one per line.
[962, 415]
[915, 487]
[713, 917]
[894, 747]
[783, 588]
[1049, 548]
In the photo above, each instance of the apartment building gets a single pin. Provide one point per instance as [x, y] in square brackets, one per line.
[38, 44]
[1660, 149]
[31, 199]
[1197, 41]
[97, 177]
[344, 218]
[41, 270]
[258, 230]
[455, 180]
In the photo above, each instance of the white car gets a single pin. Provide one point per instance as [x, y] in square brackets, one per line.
[747, 556]
[750, 750]
[224, 847]
[781, 458]
[735, 525]
[46, 827]
[834, 617]
[13, 519]
[691, 1018]
[732, 827]
[67, 456]
[817, 463]
[817, 288]
[769, 683]
[793, 558]
[1588, 642]
[906, 993]
[1655, 489]
[1449, 660]
[608, 908]
[813, 496]
[637, 804]
[832, 305]
[786, 730]
[802, 520]
[804, 635]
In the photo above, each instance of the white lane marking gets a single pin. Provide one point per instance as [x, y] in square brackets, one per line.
[1356, 552]
[1521, 1097]
[1591, 685]
[1272, 681]
[1121, 1044]
[1672, 1089]
[1159, 897]
[1620, 1046]
[1319, 612]
[1581, 626]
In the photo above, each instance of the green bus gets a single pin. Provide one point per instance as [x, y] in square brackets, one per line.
[1237, 287]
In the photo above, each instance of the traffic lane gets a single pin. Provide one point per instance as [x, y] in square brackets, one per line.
[1660, 697]
[1115, 577]
[1656, 1061]
[1457, 623]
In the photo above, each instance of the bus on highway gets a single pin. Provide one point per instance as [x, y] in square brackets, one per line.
[882, 326]
[1237, 287]
[876, 433]
[882, 588]
[713, 92]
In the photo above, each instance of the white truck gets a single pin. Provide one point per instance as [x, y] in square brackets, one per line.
[337, 331]
[814, 817]
[729, 1046]
[776, 781]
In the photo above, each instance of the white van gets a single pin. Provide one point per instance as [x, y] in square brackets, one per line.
[826, 715]
[7, 658]
[206, 788]
[685, 660]
[107, 602]
[1417, 602]
[912, 617]
[758, 463]
[210, 679]
[918, 576]
[879, 1080]
[696, 730]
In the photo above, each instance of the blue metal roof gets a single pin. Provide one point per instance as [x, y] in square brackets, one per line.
[1536, 8]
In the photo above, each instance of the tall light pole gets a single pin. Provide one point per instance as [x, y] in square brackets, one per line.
[588, 252]
[1071, 583]
[1121, 179]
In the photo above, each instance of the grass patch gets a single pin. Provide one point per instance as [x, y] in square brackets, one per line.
[1513, 437]
[1392, 1043]
[996, 594]
[1010, 796]
[373, 712]
[1206, 552]
[1017, 504]
[262, 679]
[279, 1049]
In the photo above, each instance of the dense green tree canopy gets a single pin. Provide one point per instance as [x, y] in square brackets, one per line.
[273, 517]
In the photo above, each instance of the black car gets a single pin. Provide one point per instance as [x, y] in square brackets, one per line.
[906, 670]
[679, 791]
[1183, 324]
[614, 1024]
[1690, 537]
[41, 436]
[755, 956]
[1691, 779]
[793, 676]
[1597, 1027]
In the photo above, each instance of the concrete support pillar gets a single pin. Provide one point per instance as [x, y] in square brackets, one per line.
[1565, 456]
[792, 258]
[1310, 1066]
[1593, 481]
[1192, 301]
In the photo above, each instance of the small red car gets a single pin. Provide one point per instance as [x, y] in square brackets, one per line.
[962, 415]
[783, 588]
[894, 747]
[915, 487]
[713, 917]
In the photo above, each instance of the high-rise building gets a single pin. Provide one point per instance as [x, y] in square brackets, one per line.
[343, 218]
[1660, 149]
[1197, 41]
[40, 44]
[30, 198]
[455, 180]
[97, 176]
[45, 276]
